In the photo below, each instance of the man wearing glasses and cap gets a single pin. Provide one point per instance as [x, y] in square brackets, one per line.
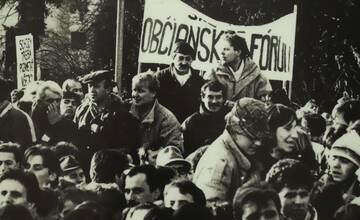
[180, 84]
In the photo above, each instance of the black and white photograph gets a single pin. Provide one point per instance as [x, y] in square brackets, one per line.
[179, 110]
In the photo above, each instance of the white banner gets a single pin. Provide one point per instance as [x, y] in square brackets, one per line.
[166, 21]
[25, 60]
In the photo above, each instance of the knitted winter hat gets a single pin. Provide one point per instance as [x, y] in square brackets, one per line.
[347, 146]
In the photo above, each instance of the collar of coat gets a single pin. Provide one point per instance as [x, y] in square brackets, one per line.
[250, 71]
[150, 117]
[234, 149]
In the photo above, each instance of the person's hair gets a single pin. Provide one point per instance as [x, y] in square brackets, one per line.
[107, 164]
[260, 194]
[159, 213]
[239, 43]
[295, 175]
[149, 79]
[349, 110]
[63, 148]
[50, 160]
[27, 179]
[193, 211]
[5, 89]
[13, 148]
[113, 200]
[187, 187]
[16, 95]
[150, 172]
[316, 124]
[48, 85]
[214, 86]
[279, 96]
[280, 115]
[72, 95]
[11, 212]
[66, 84]
[82, 213]
[77, 196]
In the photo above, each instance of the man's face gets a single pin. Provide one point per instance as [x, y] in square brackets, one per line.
[213, 101]
[182, 62]
[141, 94]
[75, 177]
[295, 202]
[97, 91]
[253, 211]
[228, 53]
[76, 88]
[341, 169]
[175, 199]
[286, 137]
[247, 144]
[137, 191]
[7, 162]
[12, 192]
[68, 107]
[51, 97]
[35, 164]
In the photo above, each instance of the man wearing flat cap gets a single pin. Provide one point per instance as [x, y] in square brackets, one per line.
[103, 120]
[232, 159]
[180, 85]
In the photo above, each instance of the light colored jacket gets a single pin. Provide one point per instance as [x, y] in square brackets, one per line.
[252, 82]
[223, 168]
[159, 128]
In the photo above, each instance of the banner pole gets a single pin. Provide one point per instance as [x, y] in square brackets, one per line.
[119, 42]
[139, 68]
[292, 61]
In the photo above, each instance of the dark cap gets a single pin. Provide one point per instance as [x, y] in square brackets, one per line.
[69, 163]
[97, 76]
[184, 48]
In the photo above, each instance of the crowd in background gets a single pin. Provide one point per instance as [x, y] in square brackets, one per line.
[223, 145]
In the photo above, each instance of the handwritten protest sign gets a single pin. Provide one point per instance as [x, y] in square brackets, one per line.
[166, 21]
[25, 59]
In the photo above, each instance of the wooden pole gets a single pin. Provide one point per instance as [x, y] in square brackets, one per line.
[292, 61]
[119, 43]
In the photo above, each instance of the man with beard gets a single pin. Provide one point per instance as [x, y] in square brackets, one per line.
[179, 83]
[237, 72]
[204, 126]
[141, 185]
[103, 119]
[231, 160]
[68, 104]
[293, 182]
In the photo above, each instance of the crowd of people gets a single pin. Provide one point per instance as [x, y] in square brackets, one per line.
[219, 145]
